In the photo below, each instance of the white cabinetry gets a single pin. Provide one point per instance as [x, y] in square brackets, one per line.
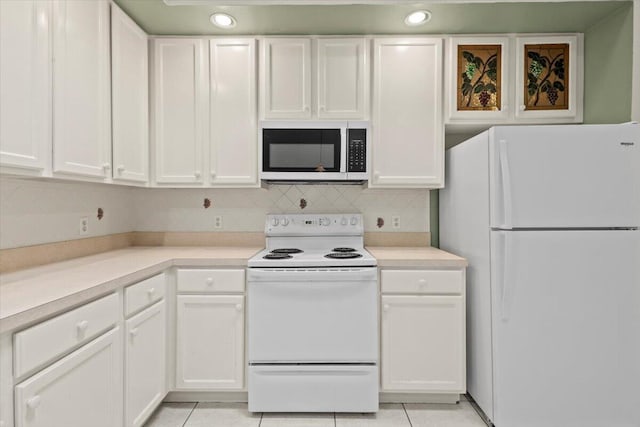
[286, 78]
[130, 88]
[556, 71]
[423, 331]
[179, 114]
[408, 137]
[25, 84]
[144, 364]
[233, 158]
[82, 389]
[210, 331]
[338, 66]
[342, 78]
[81, 81]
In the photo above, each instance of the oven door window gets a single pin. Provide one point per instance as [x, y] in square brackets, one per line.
[301, 150]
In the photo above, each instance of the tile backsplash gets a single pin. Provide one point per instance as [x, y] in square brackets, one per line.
[36, 211]
[245, 209]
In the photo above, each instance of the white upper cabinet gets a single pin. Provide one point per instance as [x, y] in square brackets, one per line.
[408, 137]
[512, 79]
[342, 78]
[286, 74]
[179, 112]
[549, 83]
[81, 81]
[305, 78]
[478, 80]
[130, 97]
[25, 84]
[233, 112]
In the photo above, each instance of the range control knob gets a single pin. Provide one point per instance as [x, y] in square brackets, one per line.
[274, 221]
[354, 220]
[284, 222]
[325, 221]
[344, 220]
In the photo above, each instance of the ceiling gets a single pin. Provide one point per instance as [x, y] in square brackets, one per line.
[455, 17]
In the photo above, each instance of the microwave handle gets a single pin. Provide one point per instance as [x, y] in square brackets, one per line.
[343, 150]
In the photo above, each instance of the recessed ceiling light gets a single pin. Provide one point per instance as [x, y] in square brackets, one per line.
[418, 17]
[223, 20]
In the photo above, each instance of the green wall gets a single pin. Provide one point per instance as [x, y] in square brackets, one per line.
[608, 53]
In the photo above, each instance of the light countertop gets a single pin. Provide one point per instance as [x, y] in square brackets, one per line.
[34, 294]
[423, 256]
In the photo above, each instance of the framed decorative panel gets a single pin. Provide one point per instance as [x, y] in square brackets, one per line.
[549, 78]
[546, 86]
[477, 80]
[479, 77]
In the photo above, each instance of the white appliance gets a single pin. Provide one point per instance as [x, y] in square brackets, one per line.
[548, 218]
[313, 317]
[314, 151]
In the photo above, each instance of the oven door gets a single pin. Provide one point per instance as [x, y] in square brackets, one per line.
[304, 154]
[312, 315]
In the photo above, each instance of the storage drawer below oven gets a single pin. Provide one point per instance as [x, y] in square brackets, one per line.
[313, 388]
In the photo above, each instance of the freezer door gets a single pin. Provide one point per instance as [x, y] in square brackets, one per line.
[566, 328]
[575, 176]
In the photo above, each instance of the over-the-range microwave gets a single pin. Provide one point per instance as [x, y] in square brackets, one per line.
[310, 151]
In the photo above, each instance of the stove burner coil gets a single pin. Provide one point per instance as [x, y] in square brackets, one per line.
[341, 249]
[343, 255]
[287, 251]
[277, 256]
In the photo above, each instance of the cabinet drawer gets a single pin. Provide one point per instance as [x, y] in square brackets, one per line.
[143, 294]
[210, 281]
[44, 341]
[422, 281]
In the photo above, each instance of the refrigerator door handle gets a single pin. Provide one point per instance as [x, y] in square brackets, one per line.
[506, 183]
[507, 283]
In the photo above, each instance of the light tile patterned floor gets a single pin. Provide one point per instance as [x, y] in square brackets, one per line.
[390, 415]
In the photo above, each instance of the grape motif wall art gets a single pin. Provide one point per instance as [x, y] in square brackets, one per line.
[546, 86]
[479, 77]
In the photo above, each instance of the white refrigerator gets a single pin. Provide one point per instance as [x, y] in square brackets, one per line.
[548, 219]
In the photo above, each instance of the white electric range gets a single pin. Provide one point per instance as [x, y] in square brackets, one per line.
[313, 317]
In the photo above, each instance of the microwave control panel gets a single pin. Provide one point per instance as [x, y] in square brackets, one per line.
[356, 150]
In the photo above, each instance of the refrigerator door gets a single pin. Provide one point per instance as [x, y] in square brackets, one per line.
[576, 176]
[565, 328]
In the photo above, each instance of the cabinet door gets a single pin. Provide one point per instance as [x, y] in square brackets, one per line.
[210, 342]
[25, 84]
[82, 389]
[179, 110]
[341, 78]
[478, 81]
[423, 344]
[144, 364]
[81, 83]
[233, 124]
[287, 78]
[549, 79]
[130, 87]
[408, 137]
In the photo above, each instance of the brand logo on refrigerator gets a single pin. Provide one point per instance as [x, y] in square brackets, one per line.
[627, 144]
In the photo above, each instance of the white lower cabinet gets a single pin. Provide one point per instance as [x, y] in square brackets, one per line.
[423, 334]
[82, 389]
[144, 364]
[210, 342]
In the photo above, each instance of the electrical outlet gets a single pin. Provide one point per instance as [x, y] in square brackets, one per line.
[395, 221]
[217, 221]
[84, 226]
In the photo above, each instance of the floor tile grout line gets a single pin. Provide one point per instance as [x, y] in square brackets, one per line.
[189, 416]
[261, 416]
[407, 415]
[335, 422]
